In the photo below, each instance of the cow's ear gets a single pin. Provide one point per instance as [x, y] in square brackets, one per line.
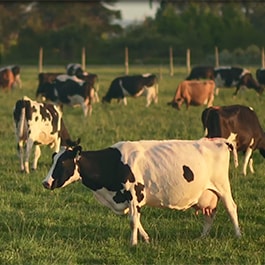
[71, 143]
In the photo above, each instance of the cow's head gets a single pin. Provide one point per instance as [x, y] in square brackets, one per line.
[174, 104]
[64, 169]
[106, 99]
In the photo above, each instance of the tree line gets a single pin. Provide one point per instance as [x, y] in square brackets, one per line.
[64, 28]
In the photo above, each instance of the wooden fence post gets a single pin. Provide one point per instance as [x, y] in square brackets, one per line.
[83, 58]
[216, 57]
[126, 61]
[171, 64]
[188, 60]
[40, 59]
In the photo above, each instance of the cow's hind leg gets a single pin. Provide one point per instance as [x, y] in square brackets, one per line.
[37, 154]
[247, 160]
[231, 208]
[20, 148]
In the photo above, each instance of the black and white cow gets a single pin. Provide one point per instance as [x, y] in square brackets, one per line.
[37, 124]
[68, 90]
[236, 77]
[260, 75]
[237, 121]
[133, 86]
[129, 175]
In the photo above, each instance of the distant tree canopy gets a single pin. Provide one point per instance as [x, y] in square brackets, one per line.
[63, 28]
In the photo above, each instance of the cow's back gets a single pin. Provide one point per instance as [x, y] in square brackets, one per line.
[197, 91]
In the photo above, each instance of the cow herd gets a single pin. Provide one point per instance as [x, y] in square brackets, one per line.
[159, 173]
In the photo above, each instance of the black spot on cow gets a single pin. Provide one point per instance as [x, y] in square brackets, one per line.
[188, 174]
[121, 197]
[126, 171]
[139, 191]
[138, 209]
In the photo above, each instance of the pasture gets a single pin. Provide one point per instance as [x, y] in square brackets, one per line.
[68, 226]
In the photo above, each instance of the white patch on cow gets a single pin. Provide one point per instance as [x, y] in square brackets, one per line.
[65, 77]
[146, 74]
[77, 100]
[232, 139]
[105, 197]
[247, 158]
[244, 72]
[219, 81]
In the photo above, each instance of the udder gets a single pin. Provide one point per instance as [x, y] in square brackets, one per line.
[207, 203]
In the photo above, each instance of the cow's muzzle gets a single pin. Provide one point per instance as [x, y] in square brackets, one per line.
[46, 185]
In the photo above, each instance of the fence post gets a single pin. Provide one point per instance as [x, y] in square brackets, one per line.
[171, 65]
[216, 57]
[40, 59]
[188, 60]
[126, 61]
[83, 58]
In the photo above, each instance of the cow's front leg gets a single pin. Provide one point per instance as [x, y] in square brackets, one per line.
[136, 226]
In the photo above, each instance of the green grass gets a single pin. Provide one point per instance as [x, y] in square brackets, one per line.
[68, 226]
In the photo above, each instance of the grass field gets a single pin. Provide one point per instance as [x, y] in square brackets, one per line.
[68, 226]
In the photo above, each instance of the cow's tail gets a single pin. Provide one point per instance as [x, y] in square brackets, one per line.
[22, 122]
[231, 142]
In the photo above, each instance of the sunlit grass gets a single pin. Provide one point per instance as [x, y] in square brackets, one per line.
[68, 226]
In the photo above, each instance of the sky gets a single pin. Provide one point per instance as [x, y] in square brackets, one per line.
[136, 10]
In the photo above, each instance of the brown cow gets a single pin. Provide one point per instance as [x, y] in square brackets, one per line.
[194, 92]
[237, 121]
[6, 79]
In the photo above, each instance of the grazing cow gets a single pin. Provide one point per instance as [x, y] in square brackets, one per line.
[201, 72]
[7, 79]
[129, 175]
[194, 92]
[240, 121]
[65, 90]
[133, 86]
[248, 81]
[228, 76]
[37, 124]
[236, 76]
[260, 75]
